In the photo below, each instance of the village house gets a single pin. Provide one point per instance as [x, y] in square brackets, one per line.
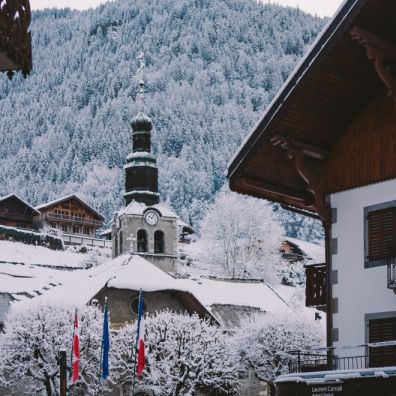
[15, 212]
[77, 221]
[326, 147]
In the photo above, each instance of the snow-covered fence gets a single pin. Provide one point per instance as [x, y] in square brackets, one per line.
[70, 239]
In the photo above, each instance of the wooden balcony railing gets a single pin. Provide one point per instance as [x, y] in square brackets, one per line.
[71, 219]
[15, 39]
[315, 289]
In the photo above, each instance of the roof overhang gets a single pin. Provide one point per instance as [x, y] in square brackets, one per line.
[15, 38]
[330, 86]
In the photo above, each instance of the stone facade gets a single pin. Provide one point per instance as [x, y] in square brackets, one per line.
[120, 303]
[125, 238]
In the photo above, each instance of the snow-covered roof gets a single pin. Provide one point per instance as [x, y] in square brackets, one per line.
[66, 198]
[139, 208]
[26, 281]
[185, 226]
[15, 252]
[134, 272]
[5, 197]
[314, 251]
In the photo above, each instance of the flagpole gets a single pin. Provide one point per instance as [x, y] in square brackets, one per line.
[101, 352]
[72, 348]
[136, 347]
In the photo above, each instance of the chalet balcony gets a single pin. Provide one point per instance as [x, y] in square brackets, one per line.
[15, 38]
[15, 216]
[315, 290]
[70, 219]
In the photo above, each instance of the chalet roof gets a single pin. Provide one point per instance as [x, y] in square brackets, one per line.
[67, 198]
[6, 197]
[15, 38]
[331, 85]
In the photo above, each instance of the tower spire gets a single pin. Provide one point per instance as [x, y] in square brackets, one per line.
[141, 172]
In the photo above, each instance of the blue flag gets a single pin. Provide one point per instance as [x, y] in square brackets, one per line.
[105, 344]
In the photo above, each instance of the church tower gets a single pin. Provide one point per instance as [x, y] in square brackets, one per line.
[141, 172]
[144, 226]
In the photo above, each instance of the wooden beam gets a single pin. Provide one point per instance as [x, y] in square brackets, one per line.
[378, 52]
[295, 195]
[308, 149]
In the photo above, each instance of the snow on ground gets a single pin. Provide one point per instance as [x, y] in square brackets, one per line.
[39, 255]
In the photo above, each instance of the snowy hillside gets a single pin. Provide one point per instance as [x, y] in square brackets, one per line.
[212, 67]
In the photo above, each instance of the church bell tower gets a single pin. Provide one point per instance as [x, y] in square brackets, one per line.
[141, 172]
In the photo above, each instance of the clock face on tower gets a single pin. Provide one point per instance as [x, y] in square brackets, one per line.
[151, 217]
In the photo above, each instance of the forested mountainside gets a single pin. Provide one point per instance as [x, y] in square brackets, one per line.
[212, 68]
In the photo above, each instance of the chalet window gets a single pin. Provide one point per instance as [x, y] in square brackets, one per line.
[64, 227]
[380, 233]
[86, 231]
[159, 243]
[76, 230]
[142, 241]
[381, 330]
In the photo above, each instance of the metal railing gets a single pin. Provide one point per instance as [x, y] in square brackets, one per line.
[70, 239]
[70, 219]
[380, 354]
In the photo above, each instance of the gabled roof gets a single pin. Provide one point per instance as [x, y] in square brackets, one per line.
[331, 85]
[6, 197]
[67, 198]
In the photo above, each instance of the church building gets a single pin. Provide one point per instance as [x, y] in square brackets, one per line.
[144, 226]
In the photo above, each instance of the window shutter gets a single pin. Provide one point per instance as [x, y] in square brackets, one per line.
[381, 330]
[381, 233]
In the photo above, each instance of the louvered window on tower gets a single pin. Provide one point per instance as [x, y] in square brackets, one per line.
[381, 236]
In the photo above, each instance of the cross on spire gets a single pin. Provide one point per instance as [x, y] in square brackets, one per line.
[141, 80]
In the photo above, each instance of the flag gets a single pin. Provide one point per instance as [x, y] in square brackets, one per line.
[140, 338]
[76, 350]
[105, 344]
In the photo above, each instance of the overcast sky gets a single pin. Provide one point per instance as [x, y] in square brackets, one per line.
[319, 7]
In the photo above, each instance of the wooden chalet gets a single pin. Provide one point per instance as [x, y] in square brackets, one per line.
[70, 215]
[15, 212]
[326, 147]
[15, 38]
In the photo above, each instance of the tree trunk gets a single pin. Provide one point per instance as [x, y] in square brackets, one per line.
[48, 386]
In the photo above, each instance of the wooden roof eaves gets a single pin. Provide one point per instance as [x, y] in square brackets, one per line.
[324, 43]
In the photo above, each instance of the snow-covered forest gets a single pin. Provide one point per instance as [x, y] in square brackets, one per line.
[65, 129]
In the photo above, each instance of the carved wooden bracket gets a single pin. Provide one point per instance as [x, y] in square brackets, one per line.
[378, 52]
[296, 151]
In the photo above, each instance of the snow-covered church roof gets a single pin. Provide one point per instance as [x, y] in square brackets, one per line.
[139, 208]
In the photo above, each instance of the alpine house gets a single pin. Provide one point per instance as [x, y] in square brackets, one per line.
[326, 146]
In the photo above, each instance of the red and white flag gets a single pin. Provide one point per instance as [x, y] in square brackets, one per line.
[76, 351]
[140, 344]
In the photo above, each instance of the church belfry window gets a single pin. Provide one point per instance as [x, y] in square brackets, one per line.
[159, 243]
[142, 241]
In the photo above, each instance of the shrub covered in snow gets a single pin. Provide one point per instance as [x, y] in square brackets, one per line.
[29, 349]
[267, 341]
[184, 354]
[242, 237]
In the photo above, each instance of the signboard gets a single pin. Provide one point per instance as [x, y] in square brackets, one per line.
[326, 390]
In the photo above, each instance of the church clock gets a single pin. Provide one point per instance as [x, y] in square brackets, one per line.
[151, 217]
